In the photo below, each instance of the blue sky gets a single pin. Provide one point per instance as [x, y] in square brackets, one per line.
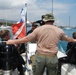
[63, 10]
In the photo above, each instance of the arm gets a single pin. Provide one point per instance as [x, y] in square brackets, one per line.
[67, 38]
[30, 37]
[17, 41]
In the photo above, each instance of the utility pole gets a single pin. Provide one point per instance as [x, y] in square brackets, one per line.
[6, 18]
[52, 6]
[69, 21]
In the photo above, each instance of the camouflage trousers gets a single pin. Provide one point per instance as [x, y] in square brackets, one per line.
[41, 62]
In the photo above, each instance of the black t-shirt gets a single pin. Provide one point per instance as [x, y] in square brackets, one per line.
[40, 22]
[69, 46]
[9, 53]
[30, 31]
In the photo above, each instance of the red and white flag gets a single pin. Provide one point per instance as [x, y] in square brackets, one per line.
[19, 29]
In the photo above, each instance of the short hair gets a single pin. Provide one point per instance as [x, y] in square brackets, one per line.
[35, 24]
[42, 16]
[74, 35]
[3, 33]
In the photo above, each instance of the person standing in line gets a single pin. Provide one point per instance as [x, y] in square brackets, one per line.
[41, 22]
[47, 38]
[70, 44]
[34, 25]
[17, 59]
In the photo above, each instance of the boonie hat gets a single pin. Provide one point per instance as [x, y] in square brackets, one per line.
[48, 17]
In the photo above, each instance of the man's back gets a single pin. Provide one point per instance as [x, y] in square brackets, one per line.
[47, 38]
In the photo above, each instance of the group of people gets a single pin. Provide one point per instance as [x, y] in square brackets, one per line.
[47, 38]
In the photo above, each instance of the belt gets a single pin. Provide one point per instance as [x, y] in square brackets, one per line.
[51, 55]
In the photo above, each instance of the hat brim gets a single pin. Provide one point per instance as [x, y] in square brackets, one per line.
[45, 20]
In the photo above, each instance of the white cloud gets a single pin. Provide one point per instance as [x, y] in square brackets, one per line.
[34, 9]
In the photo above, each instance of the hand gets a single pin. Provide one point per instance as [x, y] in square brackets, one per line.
[10, 42]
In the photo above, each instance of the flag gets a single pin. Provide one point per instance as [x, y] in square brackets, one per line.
[24, 13]
[19, 29]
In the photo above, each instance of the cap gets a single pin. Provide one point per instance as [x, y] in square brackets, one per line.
[48, 17]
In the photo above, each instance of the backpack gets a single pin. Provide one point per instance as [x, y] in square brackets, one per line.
[71, 55]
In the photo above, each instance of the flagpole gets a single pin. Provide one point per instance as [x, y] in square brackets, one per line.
[26, 17]
[26, 29]
[26, 56]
